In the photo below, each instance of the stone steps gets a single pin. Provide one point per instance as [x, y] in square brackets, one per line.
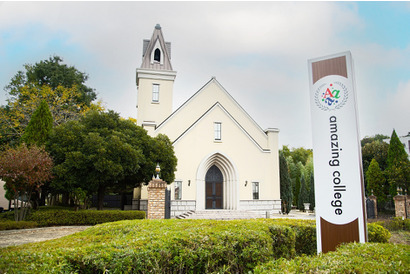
[222, 215]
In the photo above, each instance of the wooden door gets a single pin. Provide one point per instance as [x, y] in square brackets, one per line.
[214, 188]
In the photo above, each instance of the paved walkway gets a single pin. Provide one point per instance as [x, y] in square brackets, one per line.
[296, 214]
[23, 236]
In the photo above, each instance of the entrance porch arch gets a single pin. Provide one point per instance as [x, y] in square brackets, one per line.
[230, 181]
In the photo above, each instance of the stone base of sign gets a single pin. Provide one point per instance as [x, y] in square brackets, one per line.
[156, 199]
[402, 206]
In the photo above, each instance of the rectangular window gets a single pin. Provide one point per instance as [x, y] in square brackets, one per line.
[155, 92]
[217, 130]
[178, 190]
[255, 190]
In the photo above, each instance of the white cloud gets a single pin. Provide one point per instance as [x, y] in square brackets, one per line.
[396, 111]
[257, 50]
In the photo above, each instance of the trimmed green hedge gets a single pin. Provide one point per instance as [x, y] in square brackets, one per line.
[9, 225]
[284, 241]
[165, 246]
[370, 258]
[151, 246]
[305, 235]
[82, 217]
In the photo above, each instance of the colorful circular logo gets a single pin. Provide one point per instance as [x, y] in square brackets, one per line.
[331, 96]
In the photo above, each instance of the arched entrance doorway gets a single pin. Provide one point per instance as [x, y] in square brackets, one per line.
[214, 188]
[225, 171]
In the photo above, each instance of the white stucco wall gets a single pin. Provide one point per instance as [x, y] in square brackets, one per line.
[154, 111]
[251, 153]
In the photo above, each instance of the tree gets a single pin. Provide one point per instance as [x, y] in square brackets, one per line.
[301, 155]
[298, 154]
[40, 126]
[102, 152]
[24, 170]
[62, 87]
[374, 150]
[398, 166]
[286, 194]
[376, 181]
[377, 137]
[52, 73]
[37, 132]
[312, 192]
[300, 161]
[308, 171]
[303, 194]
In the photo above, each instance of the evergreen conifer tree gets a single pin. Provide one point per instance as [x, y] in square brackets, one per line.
[40, 125]
[375, 181]
[303, 193]
[398, 166]
[312, 192]
[286, 193]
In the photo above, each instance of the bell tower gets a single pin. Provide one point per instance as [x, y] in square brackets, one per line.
[155, 81]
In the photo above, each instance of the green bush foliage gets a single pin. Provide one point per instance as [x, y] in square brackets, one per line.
[9, 225]
[284, 240]
[396, 224]
[167, 246]
[151, 246]
[305, 231]
[370, 258]
[84, 217]
[7, 216]
[377, 233]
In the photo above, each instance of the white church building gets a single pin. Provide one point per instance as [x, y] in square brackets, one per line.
[225, 159]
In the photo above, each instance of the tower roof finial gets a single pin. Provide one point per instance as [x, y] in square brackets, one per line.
[158, 26]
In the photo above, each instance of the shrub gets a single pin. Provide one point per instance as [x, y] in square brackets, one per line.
[396, 224]
[284, 239]
[349, 258]
[148, 246]
[9, 225]
[83, 217]
[7, 216]
[377, 233]
[305, 231]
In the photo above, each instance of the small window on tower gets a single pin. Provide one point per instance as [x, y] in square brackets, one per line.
[155, 92]
[157, 55]
[217, 131]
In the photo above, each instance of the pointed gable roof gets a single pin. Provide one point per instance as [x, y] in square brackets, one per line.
[157, 42]
[210, 96]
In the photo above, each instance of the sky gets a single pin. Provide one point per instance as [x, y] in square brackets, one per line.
[258, 51]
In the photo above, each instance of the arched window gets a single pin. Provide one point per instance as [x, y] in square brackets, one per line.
[157, 55]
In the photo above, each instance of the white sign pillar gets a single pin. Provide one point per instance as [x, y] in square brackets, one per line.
[339, 189]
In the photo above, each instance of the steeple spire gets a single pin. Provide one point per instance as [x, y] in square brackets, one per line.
[156, 53]
[155, 80]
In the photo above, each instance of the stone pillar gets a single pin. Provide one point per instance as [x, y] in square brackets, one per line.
[156, 199]
[400, 206]
[374, 200]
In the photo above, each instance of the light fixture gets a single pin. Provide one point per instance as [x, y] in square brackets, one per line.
[157, 170]
[189, 182]
[246, 183]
